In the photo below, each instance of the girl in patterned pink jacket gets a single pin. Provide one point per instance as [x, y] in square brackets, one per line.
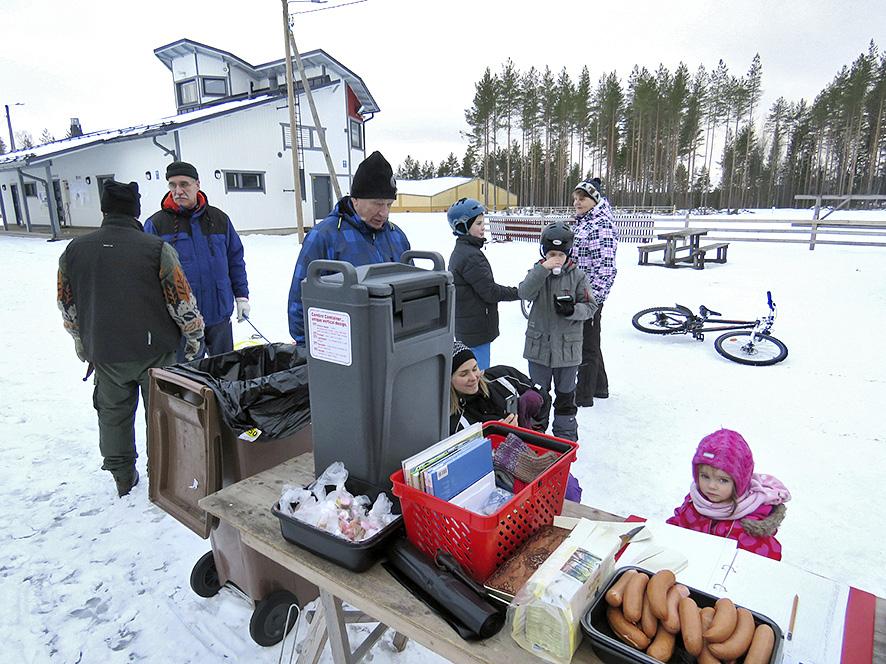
[729, 500]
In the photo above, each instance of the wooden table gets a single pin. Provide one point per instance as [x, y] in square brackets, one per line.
[246, 506]
[692, 240]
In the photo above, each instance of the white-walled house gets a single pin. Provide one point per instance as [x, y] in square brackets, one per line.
[232, 124]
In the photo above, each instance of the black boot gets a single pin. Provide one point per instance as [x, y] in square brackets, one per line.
[125, 482]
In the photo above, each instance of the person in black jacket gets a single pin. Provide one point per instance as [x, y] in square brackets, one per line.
[126, 302]
[476, 293]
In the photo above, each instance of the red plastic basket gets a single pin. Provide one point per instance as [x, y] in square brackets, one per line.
[482, 543]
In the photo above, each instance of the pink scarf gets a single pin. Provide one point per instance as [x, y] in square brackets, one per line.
[764, 490]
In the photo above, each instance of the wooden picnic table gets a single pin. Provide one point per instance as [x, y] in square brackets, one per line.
[246, 506]
[691, 238]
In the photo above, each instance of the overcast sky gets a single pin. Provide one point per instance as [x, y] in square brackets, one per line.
[94, 59]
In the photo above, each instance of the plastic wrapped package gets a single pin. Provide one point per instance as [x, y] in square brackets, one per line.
[546, 612]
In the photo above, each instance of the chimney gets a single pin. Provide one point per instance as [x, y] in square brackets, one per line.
[75, 128]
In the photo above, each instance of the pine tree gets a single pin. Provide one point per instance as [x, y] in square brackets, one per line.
[46, 137]
[2, 147]
[23, 140]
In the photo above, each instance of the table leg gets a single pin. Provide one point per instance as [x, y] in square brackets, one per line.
[335, 628]
[315, 639]
[670, 251]
[400, 642]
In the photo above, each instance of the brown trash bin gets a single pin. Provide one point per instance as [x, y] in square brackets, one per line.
[193, 453]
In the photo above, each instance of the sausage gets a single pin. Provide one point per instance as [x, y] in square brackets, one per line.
[761, 646]
[705, 656]
[672, 622]
[707, 615]
[633, 599]
[615, 594]
[625, 630]
[737, 644]
[723, 624]
[648, 622]
[657, 591]
[690, 626]
[662, 646]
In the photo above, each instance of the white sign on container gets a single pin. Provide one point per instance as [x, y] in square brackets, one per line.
[329, 334]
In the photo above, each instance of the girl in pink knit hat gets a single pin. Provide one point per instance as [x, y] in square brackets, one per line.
[728, 499]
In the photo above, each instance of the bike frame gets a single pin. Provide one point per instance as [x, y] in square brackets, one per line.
[697, 325]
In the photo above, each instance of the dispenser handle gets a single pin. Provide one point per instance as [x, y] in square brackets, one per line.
[347, 271]
[433, 256]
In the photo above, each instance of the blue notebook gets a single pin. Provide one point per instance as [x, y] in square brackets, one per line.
[454, 474]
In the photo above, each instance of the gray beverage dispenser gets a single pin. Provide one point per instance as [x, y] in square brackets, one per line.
[379, 341]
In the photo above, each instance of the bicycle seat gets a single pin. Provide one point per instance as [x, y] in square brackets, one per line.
[705, 312]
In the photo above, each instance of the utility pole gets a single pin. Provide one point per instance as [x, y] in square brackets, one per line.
[294, 129]
[9, 125]
[322, 134]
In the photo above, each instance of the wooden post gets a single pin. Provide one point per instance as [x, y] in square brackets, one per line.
[320, 132]
[812, 232]
[817, 207]
[294, 132]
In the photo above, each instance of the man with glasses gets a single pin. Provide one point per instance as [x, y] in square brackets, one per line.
[357, 231]
[211, 255]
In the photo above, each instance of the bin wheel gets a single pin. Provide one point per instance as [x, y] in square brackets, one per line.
[266, 624]
[204, 576]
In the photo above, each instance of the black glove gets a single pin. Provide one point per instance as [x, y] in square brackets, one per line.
[564, 305]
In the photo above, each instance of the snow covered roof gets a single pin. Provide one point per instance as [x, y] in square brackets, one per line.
[316, 58]
[39, 153]
[429, 187]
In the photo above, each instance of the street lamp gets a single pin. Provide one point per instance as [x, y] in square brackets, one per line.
[9, 124]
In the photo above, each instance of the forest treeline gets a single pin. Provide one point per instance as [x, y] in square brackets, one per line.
[657, 138]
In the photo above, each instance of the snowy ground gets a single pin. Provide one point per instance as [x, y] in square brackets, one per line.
[90, 577]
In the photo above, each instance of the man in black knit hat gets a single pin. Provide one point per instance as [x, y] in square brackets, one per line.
[357, 231]
[126, 301]
[211, 254]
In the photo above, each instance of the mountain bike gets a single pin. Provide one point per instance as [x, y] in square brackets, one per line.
[755, 346]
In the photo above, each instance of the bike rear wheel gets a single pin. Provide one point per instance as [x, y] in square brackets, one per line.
[757, 350]
[660, 320]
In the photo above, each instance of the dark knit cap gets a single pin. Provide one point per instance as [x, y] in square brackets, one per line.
[121, 198]
[374, 179]
[181, 168]
[460, 355]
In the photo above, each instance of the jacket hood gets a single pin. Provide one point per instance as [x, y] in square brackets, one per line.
[346, 214]
[728, 451]
[166, 203]
[122, 221]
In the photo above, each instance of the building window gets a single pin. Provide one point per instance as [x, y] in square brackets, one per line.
[214, 87]
[31, 189]
[187, 92]
[308, 138]
[356, 135]
[244, 181]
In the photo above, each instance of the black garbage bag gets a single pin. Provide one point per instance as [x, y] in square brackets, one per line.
[263, 387]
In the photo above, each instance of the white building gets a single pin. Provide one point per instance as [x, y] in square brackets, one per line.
[232, 124]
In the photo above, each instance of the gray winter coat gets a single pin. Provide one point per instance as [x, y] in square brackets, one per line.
[551, 339]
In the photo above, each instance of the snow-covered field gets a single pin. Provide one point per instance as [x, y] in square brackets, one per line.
[93, 578]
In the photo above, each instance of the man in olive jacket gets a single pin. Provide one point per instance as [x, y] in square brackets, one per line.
[126, 302]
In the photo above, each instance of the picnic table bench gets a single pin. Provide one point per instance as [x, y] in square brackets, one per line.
[246, 507]
[691, 238]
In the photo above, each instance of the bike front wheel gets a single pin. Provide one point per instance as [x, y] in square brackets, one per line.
[660, 320]
[757, 350]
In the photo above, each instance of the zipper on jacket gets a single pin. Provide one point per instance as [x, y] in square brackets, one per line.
[149, 337]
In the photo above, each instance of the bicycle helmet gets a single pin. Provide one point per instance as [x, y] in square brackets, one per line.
[590, 187]
[557, 235]
[462, 213]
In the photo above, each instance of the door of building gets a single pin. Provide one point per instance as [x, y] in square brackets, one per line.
[321, 186]
[15, 204]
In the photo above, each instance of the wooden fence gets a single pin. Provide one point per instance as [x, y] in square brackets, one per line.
[642, 228]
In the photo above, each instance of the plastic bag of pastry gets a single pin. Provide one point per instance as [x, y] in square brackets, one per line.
[545, 614]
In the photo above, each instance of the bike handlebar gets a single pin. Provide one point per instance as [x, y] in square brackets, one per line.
[769, 300]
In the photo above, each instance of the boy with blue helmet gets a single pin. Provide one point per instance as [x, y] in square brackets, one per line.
[476, 293]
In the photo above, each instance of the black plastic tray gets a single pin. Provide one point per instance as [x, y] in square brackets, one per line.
[611, 650]
[355, 556]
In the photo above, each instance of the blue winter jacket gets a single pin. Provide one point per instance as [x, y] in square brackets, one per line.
[210, 251]
[341, 236]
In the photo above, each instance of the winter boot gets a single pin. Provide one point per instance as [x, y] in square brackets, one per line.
[565, 425]
[125, 481]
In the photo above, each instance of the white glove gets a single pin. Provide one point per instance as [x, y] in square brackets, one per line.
[78, 348]
[192, 347]
[242, 308]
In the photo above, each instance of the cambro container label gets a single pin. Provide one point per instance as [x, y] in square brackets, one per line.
[329, 334]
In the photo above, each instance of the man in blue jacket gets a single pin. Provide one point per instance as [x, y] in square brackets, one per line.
[211, 255]
[357, 231]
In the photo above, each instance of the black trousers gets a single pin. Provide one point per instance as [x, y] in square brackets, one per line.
[592, 379]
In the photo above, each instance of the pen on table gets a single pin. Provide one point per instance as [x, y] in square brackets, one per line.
[793, 617]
